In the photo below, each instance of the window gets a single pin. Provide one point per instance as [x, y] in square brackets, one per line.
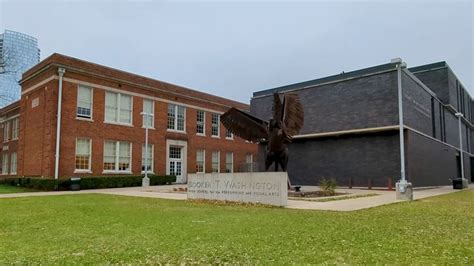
[149, 110]
[249, 158]
[83, 154]
[117, 156]
[176, 117]
[200, 161]
[149, 160]
[249, 162]
[15, 128]
[228, 134]
[215, 161]
[84, 102]
[13, 163]
[6, 131]
[229, 162]
[201, 122]
[215, 125]
[118, 108]
[5, 163]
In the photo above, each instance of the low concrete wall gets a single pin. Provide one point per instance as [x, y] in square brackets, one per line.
[266, 188]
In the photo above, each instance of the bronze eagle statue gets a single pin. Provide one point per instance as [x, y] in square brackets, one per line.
[287, 121]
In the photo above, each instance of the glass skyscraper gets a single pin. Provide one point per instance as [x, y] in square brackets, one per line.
[18, 53]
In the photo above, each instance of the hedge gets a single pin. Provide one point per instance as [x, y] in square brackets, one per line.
[88, 182]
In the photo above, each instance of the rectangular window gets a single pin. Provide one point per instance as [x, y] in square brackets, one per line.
[215, 162]
[125, 109]
[13, 163]
[84, 102]
[200, 161]
[5, 163]
[15, 128]
[118, 108]
[215, 125]
[6, 131]
[176, 117]
[83, 154]
[148, 162]
[228, 134]
[201, 122]
[229, 162]
[149, 112]
[117, 156]
[249, 162]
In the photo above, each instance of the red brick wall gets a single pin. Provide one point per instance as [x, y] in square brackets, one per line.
[38, 131]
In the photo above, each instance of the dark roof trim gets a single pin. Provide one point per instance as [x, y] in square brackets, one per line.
[330, 79]
[432, 66]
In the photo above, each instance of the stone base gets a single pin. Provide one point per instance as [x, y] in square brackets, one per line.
[145, 182]
[404, 190]
[465, 183]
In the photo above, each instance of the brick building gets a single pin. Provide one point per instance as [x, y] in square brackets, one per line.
[351, 130]
[9, 136]
[102, 129]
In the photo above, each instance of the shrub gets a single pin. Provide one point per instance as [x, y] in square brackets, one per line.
[88, 182]
[328, 186]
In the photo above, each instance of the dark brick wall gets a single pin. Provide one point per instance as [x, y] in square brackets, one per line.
[360, 103]
[417, 109]
[431, 163]
[360, 157]
[437, 81]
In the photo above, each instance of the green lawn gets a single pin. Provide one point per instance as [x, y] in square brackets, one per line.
[104, 228]
[5, 189]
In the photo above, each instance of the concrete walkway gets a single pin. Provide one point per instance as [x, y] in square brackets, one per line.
[169, 192]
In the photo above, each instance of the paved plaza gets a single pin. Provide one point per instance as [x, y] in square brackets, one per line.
[172, 192]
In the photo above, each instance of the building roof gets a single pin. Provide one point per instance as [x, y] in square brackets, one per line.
[334, 78]
[74, 64]
[426, 67]
[12, 106]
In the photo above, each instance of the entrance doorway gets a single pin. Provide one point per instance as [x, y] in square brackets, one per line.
[176, 154]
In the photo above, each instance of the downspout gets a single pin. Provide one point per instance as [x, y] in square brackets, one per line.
[58, 122]
[400, 64]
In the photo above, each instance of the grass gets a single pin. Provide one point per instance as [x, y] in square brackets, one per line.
[97, 229]
[7, 189]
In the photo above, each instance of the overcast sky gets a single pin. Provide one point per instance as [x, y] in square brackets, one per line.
[232, 49]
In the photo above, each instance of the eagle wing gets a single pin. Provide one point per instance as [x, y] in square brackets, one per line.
[244, 125]
[293, 114]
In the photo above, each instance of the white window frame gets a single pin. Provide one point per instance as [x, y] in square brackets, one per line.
[175, 126]
[15, 128]
[152, 117]
[203, 161]
[13, 163]
[88, 170]
[231, 162]
[203, 123]
[152, 166]
[218, 125]
[5, 163]
[231, 135]
[247, 163]
[92, 103]
[6, 131]
[118, 109]
[218, 161]
[117, 158]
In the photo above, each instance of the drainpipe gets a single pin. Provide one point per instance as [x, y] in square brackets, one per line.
[404, 188]
[58, 122]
